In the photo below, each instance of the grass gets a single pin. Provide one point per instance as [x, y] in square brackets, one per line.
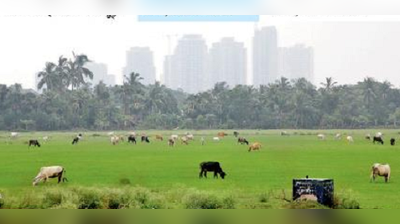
[255, 179]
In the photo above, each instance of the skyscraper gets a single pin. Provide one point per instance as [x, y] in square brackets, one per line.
[228, 62]
[265, 56]
[140, 60]
[186, 69]
[296, 62]
[100, 74]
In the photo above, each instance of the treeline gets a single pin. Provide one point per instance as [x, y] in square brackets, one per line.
[69, 102]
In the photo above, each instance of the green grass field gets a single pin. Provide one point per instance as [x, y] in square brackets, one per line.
[94, 162]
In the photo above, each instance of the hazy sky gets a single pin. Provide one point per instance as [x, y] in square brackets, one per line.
[346, 50]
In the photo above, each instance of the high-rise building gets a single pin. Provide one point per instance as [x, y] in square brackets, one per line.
[100, 74]
[265, 56]
[140, 60]
[228, 62]
[186, 69]
[296, 62]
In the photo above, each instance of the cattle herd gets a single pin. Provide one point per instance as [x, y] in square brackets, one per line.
[209, 166]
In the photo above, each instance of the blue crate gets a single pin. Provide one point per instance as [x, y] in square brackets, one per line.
[323, 189]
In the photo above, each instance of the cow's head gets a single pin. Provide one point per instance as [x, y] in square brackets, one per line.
[222, 174]
[36, 181]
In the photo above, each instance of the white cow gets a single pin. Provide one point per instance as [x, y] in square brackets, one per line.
[338, 136]
[14, 134]
[380, 170]
[174, 137]
[50, 172]
[216, 138]
[349, 139]
[45, 138]
[189, 136]
[115, 140]
[321, 136]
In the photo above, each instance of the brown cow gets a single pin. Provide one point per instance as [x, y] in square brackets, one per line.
[159, 137]
[222, 134]
[255, 146]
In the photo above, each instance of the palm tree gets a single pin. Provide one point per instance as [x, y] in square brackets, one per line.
[368, 90]
[77, 72]
[329, 84]
[48, 77]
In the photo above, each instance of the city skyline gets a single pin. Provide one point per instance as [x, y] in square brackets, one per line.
[195, 67]
[346, 50]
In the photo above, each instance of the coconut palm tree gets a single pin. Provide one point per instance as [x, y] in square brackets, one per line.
[329, 84]
[48, 77]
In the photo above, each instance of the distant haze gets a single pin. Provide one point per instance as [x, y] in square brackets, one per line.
[347, 51]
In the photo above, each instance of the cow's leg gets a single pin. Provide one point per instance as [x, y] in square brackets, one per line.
[59, 177]
[205, 173]
[215, 174]
[201, 174]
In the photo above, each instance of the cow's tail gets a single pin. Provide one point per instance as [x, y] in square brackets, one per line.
[64, 179]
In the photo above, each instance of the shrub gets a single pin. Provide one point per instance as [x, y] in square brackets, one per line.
[263, 198]
[200, 200]
[52, 198]
[89, 199]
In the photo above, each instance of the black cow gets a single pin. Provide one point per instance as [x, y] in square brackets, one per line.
[243, 141]
[75, 141]
[392, 141]
[212, 167]
[378, 139]
[132, 139]
[145, 139]
[236, 134]
[34, 143]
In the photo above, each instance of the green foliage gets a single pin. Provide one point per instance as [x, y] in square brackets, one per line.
[69, 102]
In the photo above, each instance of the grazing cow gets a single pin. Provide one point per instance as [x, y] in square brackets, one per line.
[132, 139]
[171, 142]
[14, 134]
[34, 143]
[75, 140]
[378, 139]
[321, 136]
[338, 136]
[115, 140]
[349, 139]
[392, 141]
[50, 172]
[222, 134]
[236, 134]
[145, 139]
[189, 136]
[368, 137]
[255, 146]
[45, 138]
[159, 137]
[184, 140]
[211, 167]
[284, 133]
[216, 138]
[243, 141]
[174, 137]
[382, 170]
